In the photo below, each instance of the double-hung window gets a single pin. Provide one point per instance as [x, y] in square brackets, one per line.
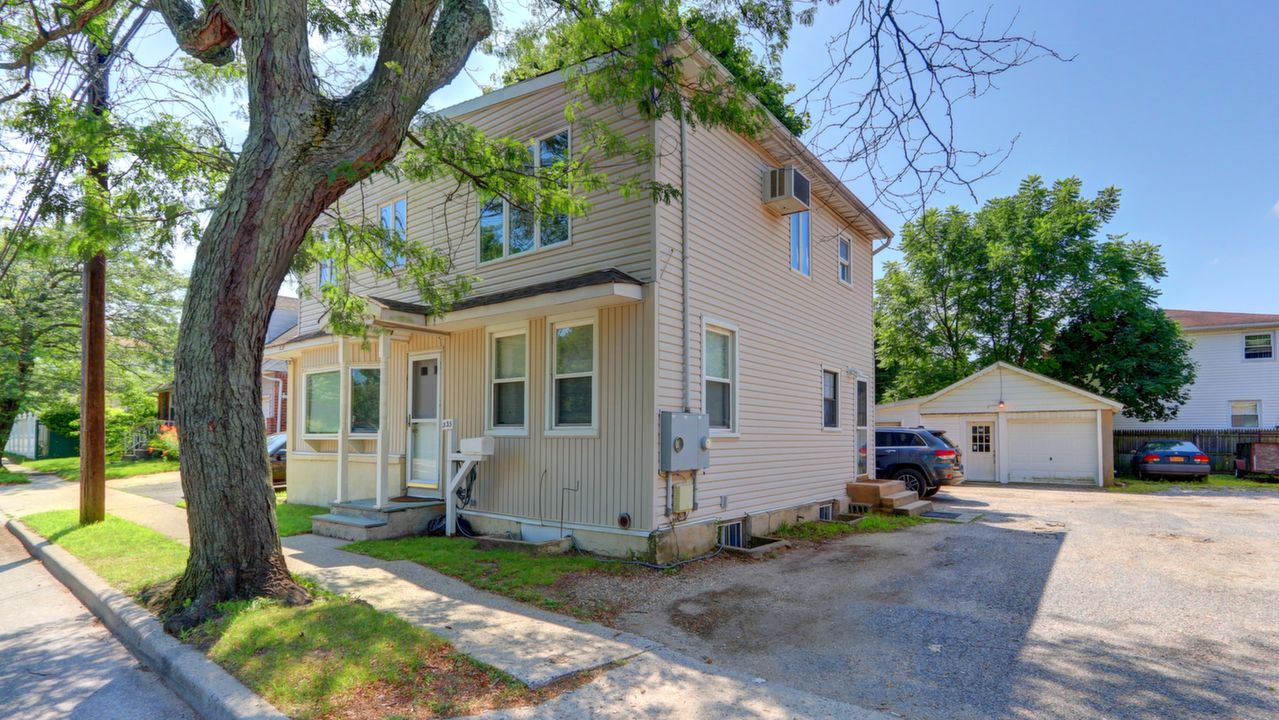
[845, 261]
[508, 380]
[1245, 413]
[395, 224]
[1260, 346]
[572, 387]
[799, 242]
[830, 399]
[325, 275]
[720, 377]
[507, 230]
[863, 431]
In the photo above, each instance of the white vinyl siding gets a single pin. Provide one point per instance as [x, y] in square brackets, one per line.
[1223, 375]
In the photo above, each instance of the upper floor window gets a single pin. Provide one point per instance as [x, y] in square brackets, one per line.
[507, 230]
[395, 220]
[1259, 347]
[799, 247]
[325, 274]
[845, 261]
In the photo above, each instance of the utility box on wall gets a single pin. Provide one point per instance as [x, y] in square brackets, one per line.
[685, 441]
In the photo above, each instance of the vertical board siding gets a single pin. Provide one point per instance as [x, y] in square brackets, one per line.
[596, 478]
[616, 232]
[790, 326]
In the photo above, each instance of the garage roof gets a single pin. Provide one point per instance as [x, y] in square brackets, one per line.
[1016, 371]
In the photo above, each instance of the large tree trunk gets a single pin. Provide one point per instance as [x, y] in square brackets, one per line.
[303, 150]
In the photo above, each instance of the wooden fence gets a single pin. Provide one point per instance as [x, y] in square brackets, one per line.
[1218, 444]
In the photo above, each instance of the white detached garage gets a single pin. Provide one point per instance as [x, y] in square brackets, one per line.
[1013, 425]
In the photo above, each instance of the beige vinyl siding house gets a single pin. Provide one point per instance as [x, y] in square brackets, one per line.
[566, 356]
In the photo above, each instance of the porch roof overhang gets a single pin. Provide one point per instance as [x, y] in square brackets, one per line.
[600, 288]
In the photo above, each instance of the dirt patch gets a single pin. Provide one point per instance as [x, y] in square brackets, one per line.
[706, 615]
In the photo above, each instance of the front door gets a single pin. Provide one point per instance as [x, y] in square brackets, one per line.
[979, 456]
[424, 427]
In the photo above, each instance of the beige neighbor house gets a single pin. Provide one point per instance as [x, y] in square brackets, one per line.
[1016, 426]
[585, 338]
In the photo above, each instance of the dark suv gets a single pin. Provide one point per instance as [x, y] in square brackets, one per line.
[923, 459]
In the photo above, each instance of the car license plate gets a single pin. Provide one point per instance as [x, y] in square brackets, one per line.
[1176, 459]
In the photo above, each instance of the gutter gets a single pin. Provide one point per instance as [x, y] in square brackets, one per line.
[683, 239]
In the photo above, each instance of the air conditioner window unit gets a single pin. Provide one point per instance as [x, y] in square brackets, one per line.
[787, 190]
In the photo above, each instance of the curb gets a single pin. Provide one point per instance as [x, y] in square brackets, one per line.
[211, 691]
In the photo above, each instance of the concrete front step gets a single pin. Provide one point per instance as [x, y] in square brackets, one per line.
[871, 492]
[918, 507]
[362, 520]
[899, 499]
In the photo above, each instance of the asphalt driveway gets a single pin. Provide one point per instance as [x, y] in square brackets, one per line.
[1056, 603]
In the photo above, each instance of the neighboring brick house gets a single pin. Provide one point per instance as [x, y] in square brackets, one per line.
[282, 327]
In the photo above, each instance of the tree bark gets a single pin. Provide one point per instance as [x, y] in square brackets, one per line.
[302, 151]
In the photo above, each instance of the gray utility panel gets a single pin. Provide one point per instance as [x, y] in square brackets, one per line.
[685, 441]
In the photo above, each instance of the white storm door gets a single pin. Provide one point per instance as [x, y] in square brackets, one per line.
[424, 426]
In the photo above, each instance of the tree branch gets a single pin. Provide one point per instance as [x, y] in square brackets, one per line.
[208, 37]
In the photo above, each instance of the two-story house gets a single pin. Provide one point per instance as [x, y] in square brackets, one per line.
[748, 301]
[1237, 374]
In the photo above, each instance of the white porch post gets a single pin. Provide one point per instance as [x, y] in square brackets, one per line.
[344, 422]
[383, 413]
[1101, 451]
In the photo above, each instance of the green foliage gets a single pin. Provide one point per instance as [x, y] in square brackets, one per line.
[166, 443]
[12, 478]
[524, 577]
[1025, 280]
[821, 531]
[128, 556]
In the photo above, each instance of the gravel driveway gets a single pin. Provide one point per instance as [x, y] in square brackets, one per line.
[1056, 603]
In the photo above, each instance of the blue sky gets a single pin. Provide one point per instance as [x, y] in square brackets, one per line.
[1173, 103]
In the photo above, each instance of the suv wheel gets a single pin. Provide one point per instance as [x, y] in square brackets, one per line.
[914, 480]
[932, 491]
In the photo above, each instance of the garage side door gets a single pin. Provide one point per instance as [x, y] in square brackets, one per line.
[1058, 448]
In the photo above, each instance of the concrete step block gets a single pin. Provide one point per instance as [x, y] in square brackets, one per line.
[918, 507]
[899, 499]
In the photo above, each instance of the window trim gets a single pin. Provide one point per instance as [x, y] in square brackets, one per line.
[1267, 333]
[840, 263]
[1230, 405]
[534, 148]
[491, 334]
[350, 393]
[579, 319]
[839, 400]
[734, 415]
[808, 242]
[306, 396]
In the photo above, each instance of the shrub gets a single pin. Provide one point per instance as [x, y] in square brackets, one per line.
[166, 443]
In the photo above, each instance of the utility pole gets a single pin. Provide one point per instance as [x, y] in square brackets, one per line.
[93, 335]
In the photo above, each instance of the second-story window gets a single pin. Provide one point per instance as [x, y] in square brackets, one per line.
[507, 230]
[395, 221]
[1259, 347]
[799, 255]
[325, 274]
[845, 261]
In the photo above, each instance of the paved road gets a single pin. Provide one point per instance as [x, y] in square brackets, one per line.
[56, 659]
[1056, 604]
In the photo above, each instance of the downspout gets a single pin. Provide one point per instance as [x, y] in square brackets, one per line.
[683, 236]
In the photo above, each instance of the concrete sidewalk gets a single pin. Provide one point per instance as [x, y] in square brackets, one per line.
[535, 646]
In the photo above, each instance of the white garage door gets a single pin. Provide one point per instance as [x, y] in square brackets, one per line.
[1053, 448]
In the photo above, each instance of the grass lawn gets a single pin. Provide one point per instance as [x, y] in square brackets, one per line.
[817, 531]
[1214, 482]
[289, 519]
[524, 577]
[333, 658]
[69, 468]
[128, 556]
[12, 478]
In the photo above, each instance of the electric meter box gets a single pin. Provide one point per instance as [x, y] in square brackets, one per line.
[685, 441]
